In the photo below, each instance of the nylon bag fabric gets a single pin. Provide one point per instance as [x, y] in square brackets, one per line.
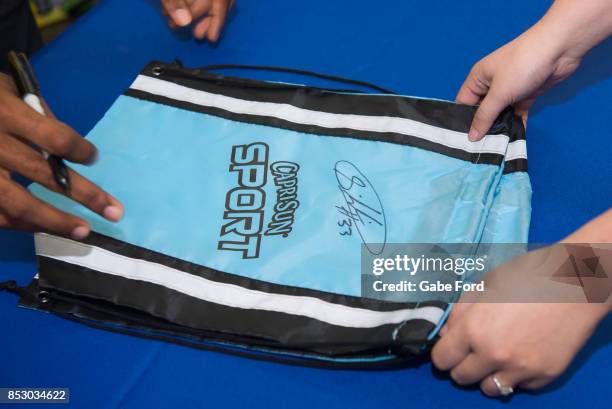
[247, 205]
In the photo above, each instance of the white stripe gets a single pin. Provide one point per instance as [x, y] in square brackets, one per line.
[490, 144]
[230, 295]
[517, 150]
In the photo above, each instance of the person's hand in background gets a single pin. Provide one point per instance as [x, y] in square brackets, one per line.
[207, 17]
[524, 345]
[20, 128]
[546, 54]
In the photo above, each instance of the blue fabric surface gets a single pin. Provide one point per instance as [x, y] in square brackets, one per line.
[419, 48]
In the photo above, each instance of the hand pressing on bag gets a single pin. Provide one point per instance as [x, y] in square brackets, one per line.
[207, 17]
[521, 345]
[524, 345]
[546, 54]
[21, 127]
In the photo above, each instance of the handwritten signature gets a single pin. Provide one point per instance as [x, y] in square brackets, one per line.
[363, 209]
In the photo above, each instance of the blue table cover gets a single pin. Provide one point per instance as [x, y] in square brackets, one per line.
[416, 48]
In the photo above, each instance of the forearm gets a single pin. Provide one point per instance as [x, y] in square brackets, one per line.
[573, 27]
[597, 232]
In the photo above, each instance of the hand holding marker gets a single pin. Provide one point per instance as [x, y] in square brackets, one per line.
[34, 144]
[29, 91]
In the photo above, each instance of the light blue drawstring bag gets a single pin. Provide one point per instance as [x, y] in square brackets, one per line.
[247, 204]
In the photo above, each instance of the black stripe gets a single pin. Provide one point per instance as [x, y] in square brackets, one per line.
[515, 165]
[311, 362]
[443, 114]
[136, 252]
[398, 362]
[110, 314]
[93, 313]
[438, 113]
[285, 330]
[390, 137]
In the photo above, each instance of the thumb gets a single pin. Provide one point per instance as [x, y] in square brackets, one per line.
[485, 115]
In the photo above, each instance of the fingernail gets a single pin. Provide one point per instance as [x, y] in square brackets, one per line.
[181, 17]
[112, 213]
[79, 233]
[94, 158]
[473, 135]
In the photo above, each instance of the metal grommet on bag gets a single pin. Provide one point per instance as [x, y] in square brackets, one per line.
[157, 70]
[43, 297]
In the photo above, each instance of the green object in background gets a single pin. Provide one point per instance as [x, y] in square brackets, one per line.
[50, 12]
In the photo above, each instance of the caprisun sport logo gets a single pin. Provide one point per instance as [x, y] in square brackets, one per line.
[243, 218]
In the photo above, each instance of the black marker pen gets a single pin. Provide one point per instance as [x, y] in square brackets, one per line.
[28, 88]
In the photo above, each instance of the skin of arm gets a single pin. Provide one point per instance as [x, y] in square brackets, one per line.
[546, 54]
[525, 345]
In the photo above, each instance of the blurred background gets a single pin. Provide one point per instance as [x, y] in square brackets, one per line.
[54, 16]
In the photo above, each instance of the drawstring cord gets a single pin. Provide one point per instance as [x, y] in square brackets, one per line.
[12, 287]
